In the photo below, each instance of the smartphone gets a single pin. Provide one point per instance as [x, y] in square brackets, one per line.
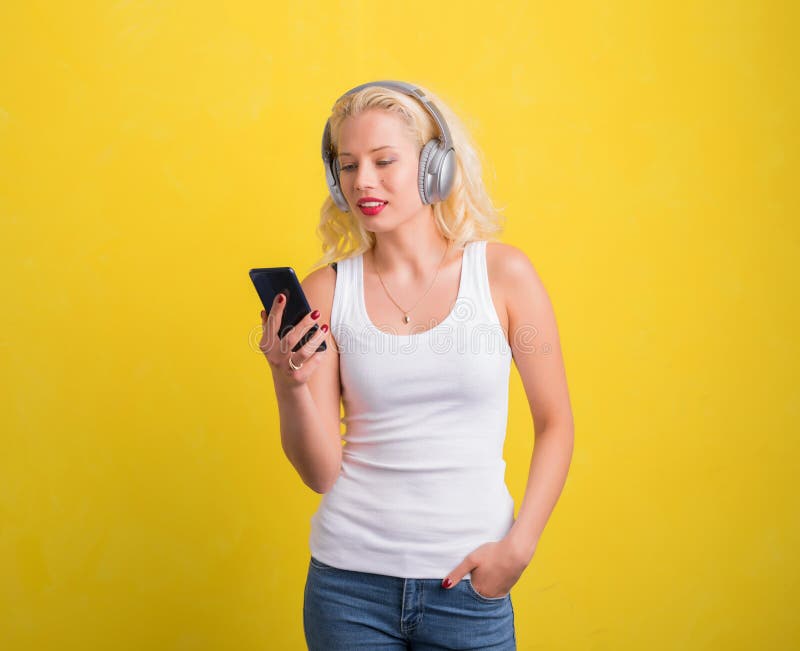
[271, 281]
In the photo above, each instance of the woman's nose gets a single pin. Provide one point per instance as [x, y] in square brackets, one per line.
[365, 177]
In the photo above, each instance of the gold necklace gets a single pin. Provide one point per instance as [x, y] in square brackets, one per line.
[407, 318]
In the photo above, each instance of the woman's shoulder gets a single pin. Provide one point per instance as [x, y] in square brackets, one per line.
[321, 284]
[511, 272]
[335, 265]
[514, 278]
[506, 263]
[325, 275]
[503, 262]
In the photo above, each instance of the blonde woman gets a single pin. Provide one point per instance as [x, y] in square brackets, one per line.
[414, 544]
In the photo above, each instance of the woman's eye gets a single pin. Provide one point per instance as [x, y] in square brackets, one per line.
[351, 166]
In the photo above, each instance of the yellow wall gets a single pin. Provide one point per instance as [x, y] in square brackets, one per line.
[152, 152]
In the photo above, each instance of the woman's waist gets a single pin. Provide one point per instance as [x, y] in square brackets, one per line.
[432, 487]
[429, 457]
[416, 513]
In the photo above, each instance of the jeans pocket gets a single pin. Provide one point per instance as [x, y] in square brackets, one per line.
[490, 600]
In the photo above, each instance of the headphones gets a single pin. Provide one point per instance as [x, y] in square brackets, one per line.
[437, 160]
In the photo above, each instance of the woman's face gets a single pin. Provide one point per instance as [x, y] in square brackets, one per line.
[378, 158]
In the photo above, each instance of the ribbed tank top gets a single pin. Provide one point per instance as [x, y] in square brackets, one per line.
[422, 481]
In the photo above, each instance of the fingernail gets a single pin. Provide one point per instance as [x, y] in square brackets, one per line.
[280, 298]
[315, 314]
[325, 328]
[447, 583]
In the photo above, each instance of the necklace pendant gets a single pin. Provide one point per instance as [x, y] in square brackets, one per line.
[406, 318]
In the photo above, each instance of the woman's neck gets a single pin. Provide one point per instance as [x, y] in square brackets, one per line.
[409, 261]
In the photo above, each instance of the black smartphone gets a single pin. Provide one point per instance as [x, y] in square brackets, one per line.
[271, 281]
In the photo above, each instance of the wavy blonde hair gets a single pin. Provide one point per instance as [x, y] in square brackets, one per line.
[468, 212]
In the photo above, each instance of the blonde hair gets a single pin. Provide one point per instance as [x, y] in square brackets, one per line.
[468, 212]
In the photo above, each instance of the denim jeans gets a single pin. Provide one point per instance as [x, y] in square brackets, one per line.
[345, 610]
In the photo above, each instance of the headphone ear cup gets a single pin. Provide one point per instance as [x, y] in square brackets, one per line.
[423, 181]
[443, 171]
[437, 169]
[332, 177]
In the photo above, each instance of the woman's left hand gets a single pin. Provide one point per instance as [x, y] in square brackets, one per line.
[495, 568]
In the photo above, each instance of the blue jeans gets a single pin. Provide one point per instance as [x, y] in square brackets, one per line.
[346, 611]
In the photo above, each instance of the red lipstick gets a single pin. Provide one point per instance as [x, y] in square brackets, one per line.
[371, 205]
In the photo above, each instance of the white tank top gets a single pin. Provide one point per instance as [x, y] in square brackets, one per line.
[422, 482]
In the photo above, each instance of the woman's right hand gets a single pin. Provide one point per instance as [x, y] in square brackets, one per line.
[278, 351]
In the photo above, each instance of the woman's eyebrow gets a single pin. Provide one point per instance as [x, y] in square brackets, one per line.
[347, 153]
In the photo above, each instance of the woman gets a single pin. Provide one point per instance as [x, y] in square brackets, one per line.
[414, 544]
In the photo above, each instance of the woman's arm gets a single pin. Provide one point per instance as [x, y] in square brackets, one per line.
[310, 412]
[308, 441]
[533, 337]
[536, 348]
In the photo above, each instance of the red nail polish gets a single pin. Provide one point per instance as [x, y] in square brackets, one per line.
[280, 298]
[325, 328]
[447, 583]
[315, 314]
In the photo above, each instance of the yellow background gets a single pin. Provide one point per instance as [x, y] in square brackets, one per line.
[152, 152]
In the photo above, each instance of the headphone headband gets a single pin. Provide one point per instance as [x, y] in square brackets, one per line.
[403, 87]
